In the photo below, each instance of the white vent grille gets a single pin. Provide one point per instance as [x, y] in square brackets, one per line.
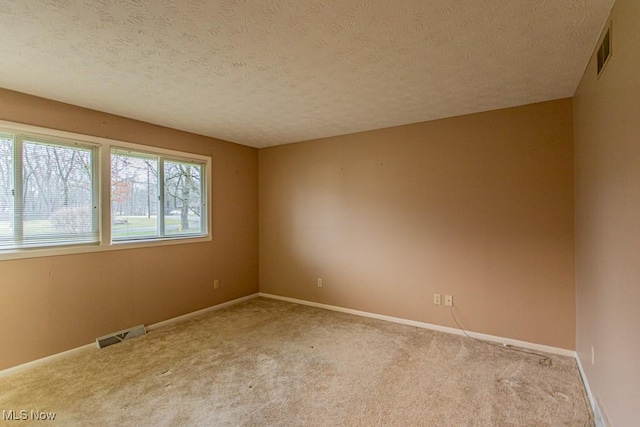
[119, 336]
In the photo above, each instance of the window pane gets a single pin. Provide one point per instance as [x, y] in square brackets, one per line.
[6, 189]
[134, 196]
[58, 202]
[182, 198]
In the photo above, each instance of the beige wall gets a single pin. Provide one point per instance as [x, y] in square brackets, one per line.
[49, 305]
[607, 159]
[479, 207]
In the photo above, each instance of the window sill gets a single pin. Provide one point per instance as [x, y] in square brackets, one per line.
[106, 247]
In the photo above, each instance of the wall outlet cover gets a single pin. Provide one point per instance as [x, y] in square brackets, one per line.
[437, 299]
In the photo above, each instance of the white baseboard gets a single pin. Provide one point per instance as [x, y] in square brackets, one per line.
[77, 350]
[493, 338]
[507, 341]
[597, 414]
[199, 312]
[46, 360]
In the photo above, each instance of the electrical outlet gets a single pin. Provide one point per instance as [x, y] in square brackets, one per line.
[319, 282]
[437, 299]
[216, 284]
[448, 300]
[593, 356]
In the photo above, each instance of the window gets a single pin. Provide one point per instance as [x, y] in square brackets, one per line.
[60, 194]
[48, 192]
[155, 196]
[6, 189]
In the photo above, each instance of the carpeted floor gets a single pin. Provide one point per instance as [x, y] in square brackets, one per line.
[266, 362]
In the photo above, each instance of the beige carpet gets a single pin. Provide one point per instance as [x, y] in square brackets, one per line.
[267, 362]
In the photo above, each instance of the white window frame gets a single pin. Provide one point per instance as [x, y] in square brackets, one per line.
[162, 158]
[103, 181]
[22, 138]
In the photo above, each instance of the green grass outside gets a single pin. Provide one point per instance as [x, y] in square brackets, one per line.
[125, 229]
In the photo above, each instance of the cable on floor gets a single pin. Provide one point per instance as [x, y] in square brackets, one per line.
[544, 360]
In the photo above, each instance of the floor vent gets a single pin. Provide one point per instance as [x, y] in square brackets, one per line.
[604, 50]
[116, 337]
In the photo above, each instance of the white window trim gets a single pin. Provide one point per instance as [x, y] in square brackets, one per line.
[104, 195]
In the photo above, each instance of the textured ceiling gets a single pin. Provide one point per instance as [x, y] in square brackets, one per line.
[269, 72]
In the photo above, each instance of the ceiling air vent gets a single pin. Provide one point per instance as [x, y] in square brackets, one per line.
[604, 50]
[117, 337]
